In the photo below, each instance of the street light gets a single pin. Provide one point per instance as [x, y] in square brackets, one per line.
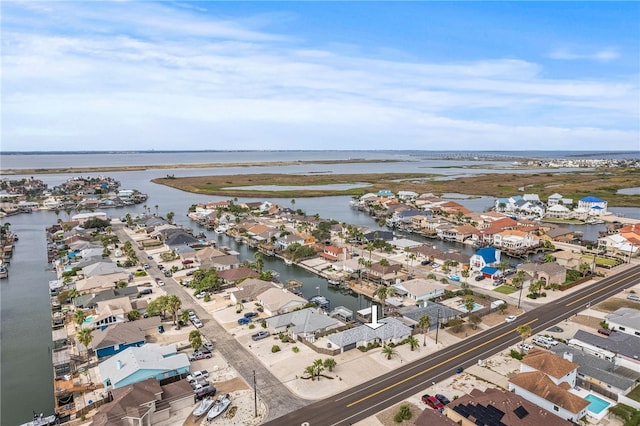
[437, 326]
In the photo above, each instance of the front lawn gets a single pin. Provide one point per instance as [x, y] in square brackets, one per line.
[635, 394]
[505, 289]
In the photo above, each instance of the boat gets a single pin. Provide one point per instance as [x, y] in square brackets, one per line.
[321, 301]
[334, 282]
[288, 262]
[203, 407]
[219, 407]
[41, 420]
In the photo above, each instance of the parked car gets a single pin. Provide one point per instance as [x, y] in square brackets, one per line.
[208, 346]
[159, 282]
[549, 340]
[541, 342]
[197, 323]
[244, 320]
[261, 335]
[250, 314]
[206, 391]
[145, 291]
[510, 318]
[432, 402]
[454, 278]
[605, 331]
[199, 355]
[525, 347]
[425, 262]
[443, 399]
[197, 375]
[634, 297]
[480, 277]
[192, 315]
[509, 272]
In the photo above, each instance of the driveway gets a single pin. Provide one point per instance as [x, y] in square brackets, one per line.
[272, 392]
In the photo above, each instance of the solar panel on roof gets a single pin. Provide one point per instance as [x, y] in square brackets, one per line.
[521, 412]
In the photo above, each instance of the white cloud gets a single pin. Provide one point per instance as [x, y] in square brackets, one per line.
[603, 55]
[186, 80]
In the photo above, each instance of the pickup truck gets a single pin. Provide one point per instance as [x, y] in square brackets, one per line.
[197, 375]
[199, 355]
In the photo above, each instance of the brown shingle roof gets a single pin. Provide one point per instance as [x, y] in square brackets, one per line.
[549, 363]
[539, 384]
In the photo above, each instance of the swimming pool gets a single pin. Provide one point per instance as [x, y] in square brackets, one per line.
[476, 307]
[597, 405]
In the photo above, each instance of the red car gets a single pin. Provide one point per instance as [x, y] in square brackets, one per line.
[432, 402]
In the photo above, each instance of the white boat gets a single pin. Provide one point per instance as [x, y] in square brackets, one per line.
[288, 262]
[219, 407]
[41, 420]
[203, 407]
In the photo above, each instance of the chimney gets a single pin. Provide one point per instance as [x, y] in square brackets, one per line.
[119, 365]
[568, 356]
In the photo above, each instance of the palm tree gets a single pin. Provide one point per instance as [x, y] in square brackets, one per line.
[413, 342]
[259, 261]
[469, 304]
[329, 363]
[424, 323]
[525, 331]
[79, 316]
[383, 293]
[173, 304]
[311, 371]
[318, 367]
[170, 216]
[85, 337]
[184, 317]
[156, 206]
[475, 319]
[388, 351]
[195, 339]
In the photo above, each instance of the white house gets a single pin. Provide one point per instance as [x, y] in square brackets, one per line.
[594, 205]
[626, 320]
[419, 289]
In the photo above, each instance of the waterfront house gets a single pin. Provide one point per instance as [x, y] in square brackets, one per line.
[284, 242]
[487, 256]
[221, 263]
[109, 312]
[419, 289]
[333, 253]
[437, 313]
[249, 289]
[560, 234]
[495, 407]
[515, 241]
[545, 380]
[558, 211]
[99, 283]
[393, 331]
[119, 337]
[81, 218]
[372, 236]
[279, 301]
[181, 238]
[232, 276]
[102, 269]
[144, 403]
[625, 347]
[303, 323]
[208, 253]
[136, 364]
[593, 205]
[620, 244]
[567, 259]
[90, 300]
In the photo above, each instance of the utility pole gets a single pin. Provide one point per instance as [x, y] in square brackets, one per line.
[437, 326]
[520, 295]
[255, 396]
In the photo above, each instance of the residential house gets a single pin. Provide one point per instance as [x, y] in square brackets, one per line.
[121, 336]
[420, 289]
[625, 320]
[515, 241]
[595, 373]
[98, 283]
[109, 312]
[136, 364]
[593, 205]
[384, 273]
[303, 323]
[458, 233]
[625, 347]
[90, 300]
[221, 263]
[277, 301]
[178, 239]
[568, 259]
[558, 211]
[232, 276]
[284, 242]
[487, 256]
[407, 195]
[144, 403]
[393, 331]
[249, 289]
[496, 407]
[81, 218]
[549, 273]
[560, 234]
[619, 244]
[102, 268]
[333, 253]
[372, 236]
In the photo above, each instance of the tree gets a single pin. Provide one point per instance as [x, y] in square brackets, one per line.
[259, 262]
[311, 371]
[456, 324]
[502, 307]
[173, 304]
[413, 342]
[525, 331]
[318, 367]
[330, 363]
[475, 319]
[389, 351]
[184, 317]
[85, 337]
[133, 315]
[79, 316]
[584, 269]
[383, 293]
[170, 217]
[469, 304]
[424, 323]
[384, 263]
[404, 413]
[195, 339]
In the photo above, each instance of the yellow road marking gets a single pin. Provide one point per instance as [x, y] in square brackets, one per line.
[434, 366]
[599, 290]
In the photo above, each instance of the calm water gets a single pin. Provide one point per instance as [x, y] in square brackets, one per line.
[25, 331]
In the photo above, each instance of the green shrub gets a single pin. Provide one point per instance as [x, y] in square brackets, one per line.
[252, 326]
[295, 349]
[516, 354]
[403, 414]
[275, 348]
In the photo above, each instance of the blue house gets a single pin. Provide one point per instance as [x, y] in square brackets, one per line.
[487, 256]
[118, 337]
[136, 364]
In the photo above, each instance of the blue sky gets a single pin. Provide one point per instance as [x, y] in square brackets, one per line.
[320, 75]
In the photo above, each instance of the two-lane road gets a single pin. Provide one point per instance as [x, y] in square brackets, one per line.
[369, 398]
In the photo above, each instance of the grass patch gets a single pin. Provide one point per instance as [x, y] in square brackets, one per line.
[505, 289]
[635, 394]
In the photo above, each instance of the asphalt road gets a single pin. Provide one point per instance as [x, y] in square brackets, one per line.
[277, 397]
[369, 398]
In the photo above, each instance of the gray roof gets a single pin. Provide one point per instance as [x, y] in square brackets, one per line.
[101, 268]
[90, 300]
[619, 343]
[123, 333]
[626, 317]
[392, 329]
[180, 238]
[307, 320]
[431, 310]
[592, 366]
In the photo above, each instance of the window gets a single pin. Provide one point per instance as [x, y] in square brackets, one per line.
[621, 328]
[555, 408]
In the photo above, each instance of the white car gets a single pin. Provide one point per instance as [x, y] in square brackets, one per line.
[197, 323]
[549, 340]
[510, 318]
[160, 283]
[525, 347]
[197, 375]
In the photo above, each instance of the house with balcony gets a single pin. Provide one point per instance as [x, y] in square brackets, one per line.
[594, 206]
[121, 336]
[484, 257]
[515, 241]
